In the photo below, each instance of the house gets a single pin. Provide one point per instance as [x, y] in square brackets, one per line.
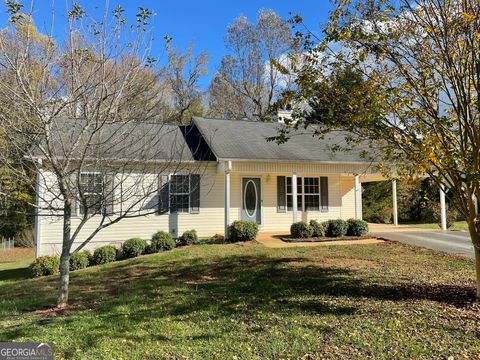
[239, 175]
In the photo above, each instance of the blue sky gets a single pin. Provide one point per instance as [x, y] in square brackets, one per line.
[202, 22]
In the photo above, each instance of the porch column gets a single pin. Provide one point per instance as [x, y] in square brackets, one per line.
[394, 198]
[358, 197]
[443, 209]
[38, 202]
[228, 169]
[294, 196]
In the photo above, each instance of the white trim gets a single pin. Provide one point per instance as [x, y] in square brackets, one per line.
[256, 199]
[38, 199]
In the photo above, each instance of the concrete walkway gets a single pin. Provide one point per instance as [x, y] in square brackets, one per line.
[456, 242]
[273, 240]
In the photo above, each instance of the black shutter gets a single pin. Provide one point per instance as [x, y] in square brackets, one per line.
[108, 194]
[163, 194]
[324, 193]
[281, 196]
[194, 193]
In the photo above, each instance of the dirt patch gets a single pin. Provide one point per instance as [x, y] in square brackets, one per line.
[16, 254]
[324, 239]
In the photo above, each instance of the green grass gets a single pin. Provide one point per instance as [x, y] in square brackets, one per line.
[249, 302]
[457, 226]
[14, 264]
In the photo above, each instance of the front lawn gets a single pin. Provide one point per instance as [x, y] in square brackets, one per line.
[457, 226]
[247, 301]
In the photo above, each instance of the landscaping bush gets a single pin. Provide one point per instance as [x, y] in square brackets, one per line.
[45, 265]
[301, 230]
[189, 237]
[357, 227]
[243, 230]
[336, 228]
[134, 247]
[104, 254]
[162, 241]
[318, 229]
[80, 260]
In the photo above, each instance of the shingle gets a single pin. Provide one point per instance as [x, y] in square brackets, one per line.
[246, 140]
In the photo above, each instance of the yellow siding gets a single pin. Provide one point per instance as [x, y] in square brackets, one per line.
[348, 197]
[210, 220]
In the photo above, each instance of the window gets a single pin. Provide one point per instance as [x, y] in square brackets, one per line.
[184, 194]
[299, 194]
[308, 194]
[180, 193]
[91, 185]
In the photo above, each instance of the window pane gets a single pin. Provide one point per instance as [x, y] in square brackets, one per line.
[289, 184]
[311, 186]
[299, 185]
[179, 184]
[179, 203]
[91, 183]
[94, 204]
[312, 202]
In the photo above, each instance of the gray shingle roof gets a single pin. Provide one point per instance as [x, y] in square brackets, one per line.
[246, 140]
[127, 141]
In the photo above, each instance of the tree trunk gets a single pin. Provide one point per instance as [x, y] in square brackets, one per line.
[62, 299]
[477, 267]
[474, 230]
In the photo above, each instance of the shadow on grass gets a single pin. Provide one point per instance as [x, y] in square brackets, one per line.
[223, 288]
[15, 274]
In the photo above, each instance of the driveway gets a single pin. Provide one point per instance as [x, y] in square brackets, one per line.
[456, 242]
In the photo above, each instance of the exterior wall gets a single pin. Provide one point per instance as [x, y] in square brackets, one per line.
[207, 223]
[210, 220]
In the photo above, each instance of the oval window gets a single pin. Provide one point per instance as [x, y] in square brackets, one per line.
[250, 198]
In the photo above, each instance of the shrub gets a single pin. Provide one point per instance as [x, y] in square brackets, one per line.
[336, 228]
[437, 214]
[188, 238]
[241, 230]
[104, 254]
[162, 241]
[79, 260]
[133, 247]
[45, 265]
[301, 230]
[357, 227]
[318, 229]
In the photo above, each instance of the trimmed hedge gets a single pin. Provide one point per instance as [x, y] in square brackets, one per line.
[318, 229]
[357, 227]
[301, 230]
[189, 237]
[45, 265]
[104, 254]
[241, 230]
[133, 247]
[336, 228]
[162, 241]
[80, 260]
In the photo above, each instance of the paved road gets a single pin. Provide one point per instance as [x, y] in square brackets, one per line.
[457, 242]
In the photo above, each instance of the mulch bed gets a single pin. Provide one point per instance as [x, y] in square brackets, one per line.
[325, 239]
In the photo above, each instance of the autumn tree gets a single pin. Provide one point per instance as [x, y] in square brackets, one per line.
[404, 77]
[85, 117]
[253, 73]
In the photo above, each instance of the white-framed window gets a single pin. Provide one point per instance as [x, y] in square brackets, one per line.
[92, 186]
[179, 193]
[308, 194]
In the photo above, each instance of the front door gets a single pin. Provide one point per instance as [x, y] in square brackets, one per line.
[251, 200]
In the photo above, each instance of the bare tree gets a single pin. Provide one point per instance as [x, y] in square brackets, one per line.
[181, 78]
[86, 118]
[253, 69]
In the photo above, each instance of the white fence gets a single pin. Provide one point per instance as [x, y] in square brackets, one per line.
[6, 244]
